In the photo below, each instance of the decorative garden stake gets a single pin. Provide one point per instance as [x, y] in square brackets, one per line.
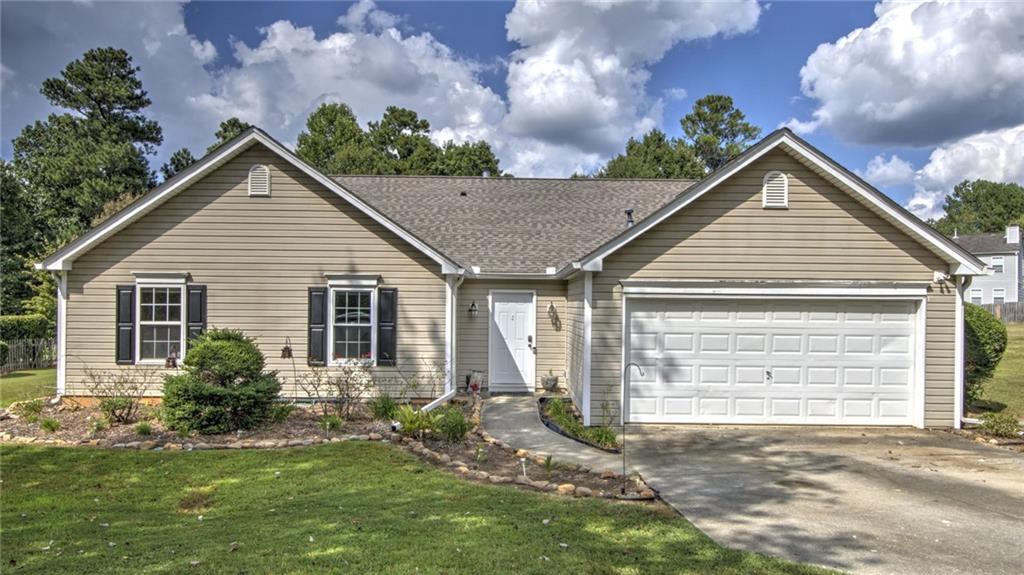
[623, 416]
[522, 462]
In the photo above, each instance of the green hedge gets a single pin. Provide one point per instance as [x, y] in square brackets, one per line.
[986, 342]
[31, 326]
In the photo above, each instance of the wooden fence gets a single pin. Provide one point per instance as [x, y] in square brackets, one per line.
[1011, 312]
[19, 354]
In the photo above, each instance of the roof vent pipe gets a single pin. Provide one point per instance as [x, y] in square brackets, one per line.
[486, 174]
[629, 218]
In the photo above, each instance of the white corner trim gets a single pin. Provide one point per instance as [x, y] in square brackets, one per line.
[960, 286]
[588, 322]
[62, 333]
[450, 287]
[920, 363]
[351, 280]
[164, 278]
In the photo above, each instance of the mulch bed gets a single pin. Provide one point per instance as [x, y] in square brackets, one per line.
[480, 458]
[978, 436]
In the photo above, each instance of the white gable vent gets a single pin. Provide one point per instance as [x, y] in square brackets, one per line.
[775, 190]
[259, 180]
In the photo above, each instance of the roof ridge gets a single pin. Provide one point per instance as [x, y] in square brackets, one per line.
[510, 178]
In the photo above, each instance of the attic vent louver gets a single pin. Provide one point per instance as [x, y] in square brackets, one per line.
[775, 190]
[259, 180]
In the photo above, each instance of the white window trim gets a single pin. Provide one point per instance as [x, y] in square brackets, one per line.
[337, 287]
[785, 190]
[139, 285]
[998, 293]
[997, 261]
[265, 194]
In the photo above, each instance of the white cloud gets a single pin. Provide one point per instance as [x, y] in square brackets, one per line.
[922, 74]
[881, 172]
[579, 79]
[995, 155]
[203, 51]
[676, 94]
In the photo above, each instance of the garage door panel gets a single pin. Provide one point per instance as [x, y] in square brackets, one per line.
[771, 361]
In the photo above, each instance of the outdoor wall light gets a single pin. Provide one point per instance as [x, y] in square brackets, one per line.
[172, 361]
[473, 310]
[286, 351]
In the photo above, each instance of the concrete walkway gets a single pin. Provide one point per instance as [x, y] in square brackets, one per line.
[861, 500]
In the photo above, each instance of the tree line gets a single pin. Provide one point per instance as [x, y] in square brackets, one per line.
[83, 164]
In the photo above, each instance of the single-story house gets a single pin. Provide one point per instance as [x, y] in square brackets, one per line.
[781, 288]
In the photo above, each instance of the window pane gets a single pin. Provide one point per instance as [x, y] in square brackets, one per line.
[160, 313]
[161, 295]
[174, 296]
[147, 295]
[146, 313]
[174, 313]
[351, 307]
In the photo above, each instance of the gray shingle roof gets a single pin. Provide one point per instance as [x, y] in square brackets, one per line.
[986, 243]
[517, 225]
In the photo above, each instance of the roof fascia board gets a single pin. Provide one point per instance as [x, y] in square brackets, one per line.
[969, 265]
[62, 258]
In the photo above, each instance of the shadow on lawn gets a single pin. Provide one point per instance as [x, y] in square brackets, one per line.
[348, 507]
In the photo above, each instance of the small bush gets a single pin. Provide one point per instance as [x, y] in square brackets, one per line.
[30, 409]
[561, 413]
[452, 424]
[986, 342]
[383, 407]
[97, 426]
[331, 423]
[119, 409]
[281, 412]
[1000, 424]
[144, 428]
[224, 387]
[414, 422]
[49, 424]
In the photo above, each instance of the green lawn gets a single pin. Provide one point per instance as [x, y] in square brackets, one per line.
[1006, 388]
[27, 384]
[347, 507]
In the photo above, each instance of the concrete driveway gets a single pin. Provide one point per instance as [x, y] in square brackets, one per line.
[854, 499]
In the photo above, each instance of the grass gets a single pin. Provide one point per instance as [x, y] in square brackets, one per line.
[346, 507]
[560, 412]
[27, 384]
[1005, 391]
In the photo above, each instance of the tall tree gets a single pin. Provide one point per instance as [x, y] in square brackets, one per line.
[980, 207]
[18, 241]
[654, 156]
[717, 131]
[227, 131]
[74, 163]
[404, 138]
[179, 160]
[334, 143]
[467, 159]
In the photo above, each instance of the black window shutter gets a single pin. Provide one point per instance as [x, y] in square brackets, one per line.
[317, 345]
[387, 319]
[125, 341]
[196, 320]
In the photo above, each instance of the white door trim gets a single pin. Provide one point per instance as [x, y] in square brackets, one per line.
[918, 338]
[531, 380]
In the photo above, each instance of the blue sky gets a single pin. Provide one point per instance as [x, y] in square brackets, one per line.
[559, 88]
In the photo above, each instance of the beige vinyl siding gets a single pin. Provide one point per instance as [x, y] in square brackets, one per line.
[825, 234]
[574, 338]
[473, 332]
[257, 256]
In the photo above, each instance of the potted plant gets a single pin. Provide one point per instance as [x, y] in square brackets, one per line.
[549, 381]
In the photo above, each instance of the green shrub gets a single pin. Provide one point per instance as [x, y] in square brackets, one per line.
[30, 410]
[97, 425]
[986, 342]
[561, 413]
[413, 421]
[383, 407]
[224, 387]
[451, 423]
[1000, 424]
[331, 423]
[49, 424]
[144, 428]
[281, 412]
[119, 409]
[30, 326]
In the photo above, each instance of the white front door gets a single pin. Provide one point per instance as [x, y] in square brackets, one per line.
[806, 362]
[511, 358]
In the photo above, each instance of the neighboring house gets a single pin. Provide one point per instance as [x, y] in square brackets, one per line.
[779, 289]
[1002, 254]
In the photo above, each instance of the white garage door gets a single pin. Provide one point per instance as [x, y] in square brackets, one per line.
[749, 361]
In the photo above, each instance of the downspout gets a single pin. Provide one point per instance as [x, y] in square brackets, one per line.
[962, 283]
[62, 332]
[451, 288]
